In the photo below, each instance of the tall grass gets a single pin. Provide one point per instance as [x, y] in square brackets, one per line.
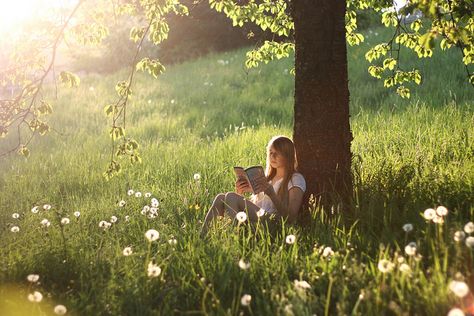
[204, 117]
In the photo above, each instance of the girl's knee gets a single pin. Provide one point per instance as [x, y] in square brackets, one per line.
[231, 196]
[219, 198]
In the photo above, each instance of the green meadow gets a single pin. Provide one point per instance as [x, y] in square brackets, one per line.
[193, 124]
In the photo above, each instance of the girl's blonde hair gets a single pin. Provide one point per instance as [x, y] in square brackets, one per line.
[285, 147]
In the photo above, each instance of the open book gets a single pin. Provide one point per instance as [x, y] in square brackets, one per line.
[249, 174]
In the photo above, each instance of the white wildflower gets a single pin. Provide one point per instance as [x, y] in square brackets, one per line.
[113, 219]
[15, 229]
[407, 227]
[385, 266]
[241, 217]
[469, 228]
[127, 218]
[65, 221]
[46, 207]
[470, 242]
[127, 251]
[400, 259]
[45, 223]
[138, 194]
[459, 236]
[173, 101]
[15, 215]
[172, 241]
[77, 213]
[429, 214]
[410, 249]
[60, 310]
[33, 278]
[456, 312]
[122, 203]
[244, 265]
[260, 212]
[246, 299]
[441, 211]
[459, 288]
[438, 219]
[155, 202]
[405, 268]
[148, 194]
[130, 192]
[104, 224]
[197, 176]
[153, 270]
[303, 285]
[35, 209]
[290, 239]
[36, 297]
[152, 235]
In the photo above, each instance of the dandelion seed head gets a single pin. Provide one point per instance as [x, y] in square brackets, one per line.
[197, 177]
[127, 251]
[290, 239]
[303, 285]
[459, 236]
[15, 215]
[172, 241]
[152, 235]
[46, 207]
[113, 219]
[441, 210]
[408, 227]
[148, 194]
[104, 225]
[246, 299]
[60, 310]
[138, 194]
[155, 202]
[130, 192]
[405, 268]
[65, 221]
[153, 270]
[77, 213]
[459, 288]
[469, 228]
[327, 252]
[429, 214]
[45, 223]
[470, 242]
[122, 203]
[127, 218]
[15, 229]
[241, 217]
[33, 278]
[438, 219]
[35, 209]
[244, 265]
[385, 266]
[35, 297]
[456, 312]
[410, 249]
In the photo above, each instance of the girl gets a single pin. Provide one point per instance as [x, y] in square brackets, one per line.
[281, 190]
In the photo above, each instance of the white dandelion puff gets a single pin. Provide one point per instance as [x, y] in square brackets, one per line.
[260, 212]
[15, 229]
[327, 252]
[441, 210]
[172, 241]
[45, 222]
[456, 312]
[429, 214]
[47, 207]
[152, 235]
[385, 266]
[153, 270]
[65, 221]
[303, 285]
[77, 213]
[244, 265]
[438, 219]
[290, 239]
[15, 215]
[104, 225]
[459, 236]
[197, 177]
[241, 217]
[470, 242]
[459, 288]
[35, 209]
[33, 278]
[410, 249]
[138, 194]
[246, 299]
[127, 218]
[148, 194]
[130, 192]
[155, 202]
[408, 227]
[60, 310]
[113, 219]
[405, 268]
[469, 228]
[122, 203]
[35, 297]
[127, 251]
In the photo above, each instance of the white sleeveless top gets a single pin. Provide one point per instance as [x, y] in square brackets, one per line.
[263, 201]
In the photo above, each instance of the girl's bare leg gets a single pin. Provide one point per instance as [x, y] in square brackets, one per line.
[216, 209]
[235, 203]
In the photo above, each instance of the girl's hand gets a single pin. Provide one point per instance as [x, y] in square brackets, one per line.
[242, 186]
[262, 185]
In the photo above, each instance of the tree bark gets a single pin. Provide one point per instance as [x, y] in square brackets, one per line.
[322, 132]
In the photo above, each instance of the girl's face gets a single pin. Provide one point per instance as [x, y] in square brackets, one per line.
[276, 159]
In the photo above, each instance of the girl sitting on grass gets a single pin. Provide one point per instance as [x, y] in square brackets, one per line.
[281, 189]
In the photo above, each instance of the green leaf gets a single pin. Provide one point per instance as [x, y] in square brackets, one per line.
[69, 79]
[24, 151]
[403, 92]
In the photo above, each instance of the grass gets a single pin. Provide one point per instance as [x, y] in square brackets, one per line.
[204, 117]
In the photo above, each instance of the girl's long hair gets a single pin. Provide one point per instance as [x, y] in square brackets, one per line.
[285, 147]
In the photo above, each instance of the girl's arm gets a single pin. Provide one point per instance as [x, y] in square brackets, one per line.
[295, 198]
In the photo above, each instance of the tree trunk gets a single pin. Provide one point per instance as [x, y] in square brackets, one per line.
[322, 133]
